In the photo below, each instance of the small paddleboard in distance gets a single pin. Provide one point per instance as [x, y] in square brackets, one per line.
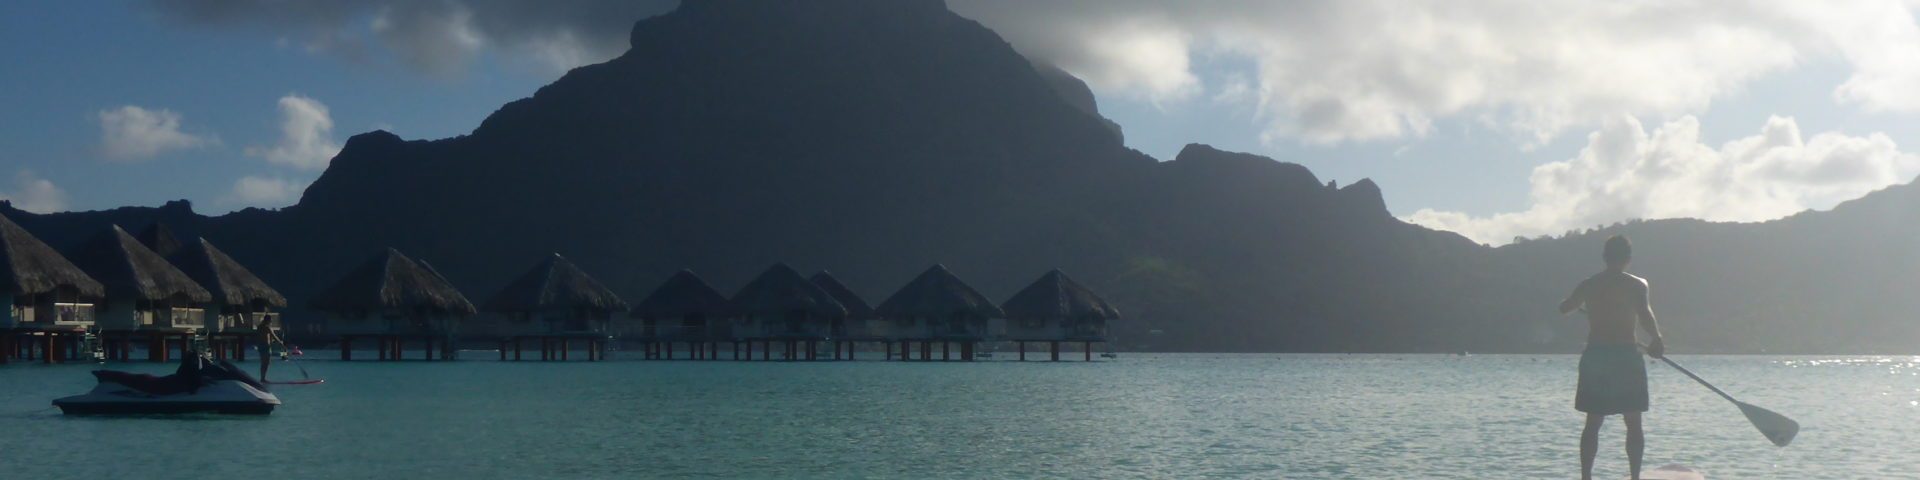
[302, 382]
[1671, 472]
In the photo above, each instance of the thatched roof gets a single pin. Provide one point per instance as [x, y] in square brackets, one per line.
[128, 269]
[555, 285]
[1055, 295]
[391, 281]
[230, 283]
[856, 307]
[683, 294]
[28, 266]
[780, 289]
[938, 293]
[159, 238]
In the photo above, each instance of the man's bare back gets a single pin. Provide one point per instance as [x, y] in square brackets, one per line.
[1616, 302]
[1612, 379]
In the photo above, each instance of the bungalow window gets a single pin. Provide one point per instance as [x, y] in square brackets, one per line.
[693, 323]
[186, 317]
[71, 313]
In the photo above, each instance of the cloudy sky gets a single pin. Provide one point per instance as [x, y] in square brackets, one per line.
[1494, 119]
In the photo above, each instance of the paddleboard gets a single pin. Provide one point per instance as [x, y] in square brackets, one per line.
[302, 382]
[1671, 472]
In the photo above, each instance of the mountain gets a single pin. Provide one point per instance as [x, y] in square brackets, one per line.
[875, 138]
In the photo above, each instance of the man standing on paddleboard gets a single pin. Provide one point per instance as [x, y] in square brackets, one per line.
[1612, 378]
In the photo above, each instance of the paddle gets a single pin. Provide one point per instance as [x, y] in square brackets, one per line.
[1778, 428]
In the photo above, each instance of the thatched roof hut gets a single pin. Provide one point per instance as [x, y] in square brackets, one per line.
[230, 283]
[856, 307]
[391, 282]
[555, 285]
[30, 267]
[132, 271]
[1054, 296]
[781, 290]
[937, 293]
[682, 295]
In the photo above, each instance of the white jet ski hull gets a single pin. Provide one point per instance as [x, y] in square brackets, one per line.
[221, 396]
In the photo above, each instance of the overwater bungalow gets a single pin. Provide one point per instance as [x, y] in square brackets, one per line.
[48, 301]
[861, 324]
[1057, 309]
[938, 307]
[147, 299]
[241, 301]
[392, 299]
[781, 306]
[561, 304]
[684, 309]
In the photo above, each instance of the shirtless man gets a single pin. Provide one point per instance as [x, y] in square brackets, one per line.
[1612, 378]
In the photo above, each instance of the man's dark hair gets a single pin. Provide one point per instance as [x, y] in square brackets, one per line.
[1618, 250]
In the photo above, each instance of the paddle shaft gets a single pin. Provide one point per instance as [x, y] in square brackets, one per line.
[303, 370]
[1676, 366]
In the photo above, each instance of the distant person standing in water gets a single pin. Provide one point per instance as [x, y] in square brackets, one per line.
[1612, 378]
[264, 331]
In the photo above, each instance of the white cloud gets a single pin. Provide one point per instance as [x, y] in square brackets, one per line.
[306, 131]
[1626, 172]
[35, 194]
[1352, 70]
[1322, 71]
[251, 191]
[440, 37]
[134, 133]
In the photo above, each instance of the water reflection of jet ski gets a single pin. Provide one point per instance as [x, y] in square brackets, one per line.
[196, 387]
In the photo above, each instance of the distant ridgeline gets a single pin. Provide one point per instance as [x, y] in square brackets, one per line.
[877, 137]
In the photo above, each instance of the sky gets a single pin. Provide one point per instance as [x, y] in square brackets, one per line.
[1495, 119]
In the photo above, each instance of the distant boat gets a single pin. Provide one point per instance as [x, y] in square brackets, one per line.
[1109, 355]
[983, 355]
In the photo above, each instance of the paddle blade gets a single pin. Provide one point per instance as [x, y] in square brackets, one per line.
[1778, 428]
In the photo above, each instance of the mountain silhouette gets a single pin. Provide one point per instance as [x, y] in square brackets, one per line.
[876, 137]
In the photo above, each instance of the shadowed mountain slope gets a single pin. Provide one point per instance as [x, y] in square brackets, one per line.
[875, 137]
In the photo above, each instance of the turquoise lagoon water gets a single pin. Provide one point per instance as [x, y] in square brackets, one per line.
[1141, 416]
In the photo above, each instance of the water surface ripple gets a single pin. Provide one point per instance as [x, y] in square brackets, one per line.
[1142, 416]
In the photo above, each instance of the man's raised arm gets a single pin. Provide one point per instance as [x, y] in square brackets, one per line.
[1574, 300]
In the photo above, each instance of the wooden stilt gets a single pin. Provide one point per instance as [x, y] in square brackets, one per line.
[49, 350]
[926, 350]
[563, 349]
[1089, 346]
[1056, 350]
[1023, 350]
[946, 347]
[516, 349]
[346, 348]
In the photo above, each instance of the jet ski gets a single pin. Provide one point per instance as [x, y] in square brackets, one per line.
[196, 387]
